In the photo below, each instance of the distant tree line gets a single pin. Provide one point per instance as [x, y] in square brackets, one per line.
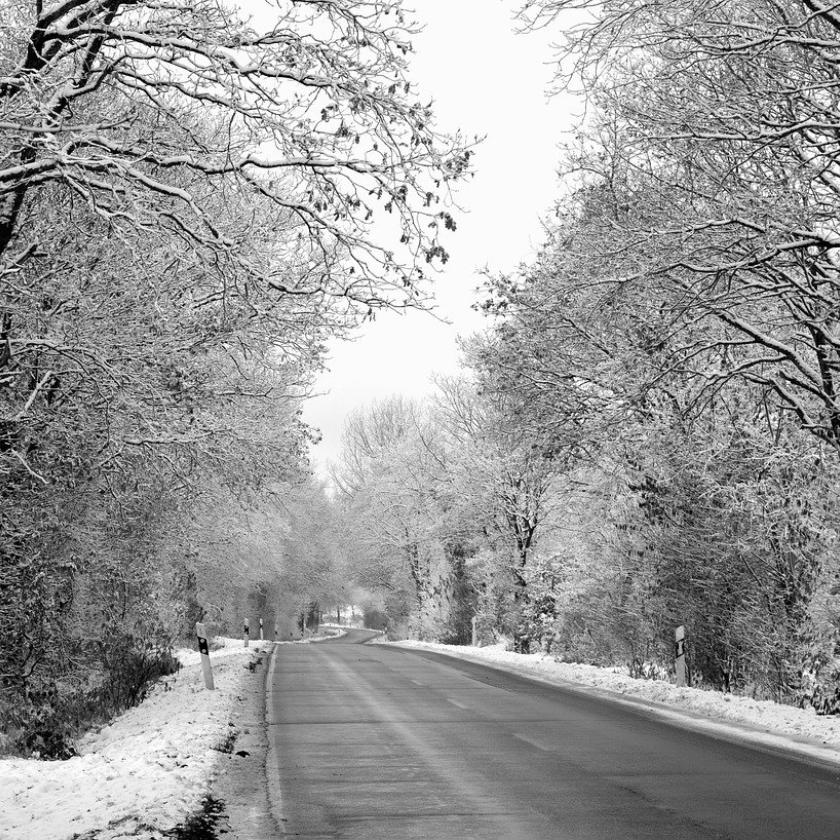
[647, 432]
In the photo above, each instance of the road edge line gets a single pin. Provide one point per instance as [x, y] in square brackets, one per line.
[273, 787]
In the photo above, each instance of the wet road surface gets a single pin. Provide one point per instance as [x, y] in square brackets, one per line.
[374, 742]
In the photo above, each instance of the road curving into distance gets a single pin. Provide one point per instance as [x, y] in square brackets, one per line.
[370, 742]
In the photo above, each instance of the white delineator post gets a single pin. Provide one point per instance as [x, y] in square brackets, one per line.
[276, 631]
[679, 654]
[204, 650]
[261, 629]
[246, 632]
[474, 634]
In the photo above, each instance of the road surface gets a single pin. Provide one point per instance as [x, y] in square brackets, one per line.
[372, 742]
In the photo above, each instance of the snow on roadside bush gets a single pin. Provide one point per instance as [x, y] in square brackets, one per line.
[148, 769]
[788, 722]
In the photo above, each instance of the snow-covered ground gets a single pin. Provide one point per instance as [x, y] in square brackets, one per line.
[327, 631]
[759, 721]
[140, 775]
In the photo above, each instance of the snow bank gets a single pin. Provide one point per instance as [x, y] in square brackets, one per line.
[140, 775]
[328, 631]
[758, 721]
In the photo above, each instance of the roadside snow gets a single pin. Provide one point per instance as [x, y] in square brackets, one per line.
[140, 775]
[326, 631]
[757, 721]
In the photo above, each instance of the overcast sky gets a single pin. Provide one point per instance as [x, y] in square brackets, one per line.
[486, 80]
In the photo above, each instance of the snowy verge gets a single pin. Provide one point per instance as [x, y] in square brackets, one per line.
[759, 722]
[143, 773]
[327, 631]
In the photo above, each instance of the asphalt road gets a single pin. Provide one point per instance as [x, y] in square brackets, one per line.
[376, 742]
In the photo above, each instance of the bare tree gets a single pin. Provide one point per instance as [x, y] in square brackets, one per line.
[143, 111]
[714, 134]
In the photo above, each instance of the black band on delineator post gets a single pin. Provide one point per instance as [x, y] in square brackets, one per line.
[204, 650]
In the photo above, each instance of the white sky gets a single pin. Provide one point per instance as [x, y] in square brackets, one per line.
[485, 80]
